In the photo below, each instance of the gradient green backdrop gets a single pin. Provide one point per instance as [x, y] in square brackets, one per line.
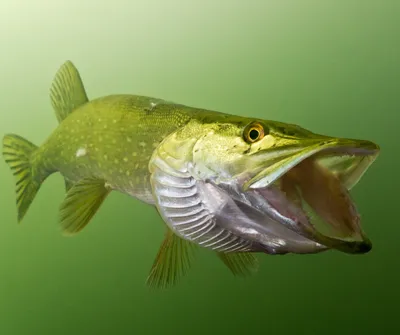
[330, 66]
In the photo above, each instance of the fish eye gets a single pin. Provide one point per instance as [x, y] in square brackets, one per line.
[254, 132]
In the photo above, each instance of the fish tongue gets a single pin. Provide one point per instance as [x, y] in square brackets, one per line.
[326, 196]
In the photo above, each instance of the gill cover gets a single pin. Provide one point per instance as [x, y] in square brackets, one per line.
[183, 202]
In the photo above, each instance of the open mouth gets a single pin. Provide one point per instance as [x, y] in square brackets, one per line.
[309, 192]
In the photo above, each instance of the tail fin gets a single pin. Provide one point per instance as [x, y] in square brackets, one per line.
[17, 153]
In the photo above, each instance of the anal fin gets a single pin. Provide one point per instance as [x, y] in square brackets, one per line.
[81, 203]
[172, 262]
[240, 263]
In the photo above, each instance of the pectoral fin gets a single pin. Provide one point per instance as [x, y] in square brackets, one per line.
[173, 260]
[68, 184]
[81, 203]
[240, 263]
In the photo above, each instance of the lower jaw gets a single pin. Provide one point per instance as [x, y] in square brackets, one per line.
[308, 230]
[350, 240]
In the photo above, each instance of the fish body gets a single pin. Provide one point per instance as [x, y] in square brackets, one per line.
[111, 139]
[235, 185]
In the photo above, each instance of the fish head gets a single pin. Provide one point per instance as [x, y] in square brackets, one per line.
[291, 166]
[295, 178]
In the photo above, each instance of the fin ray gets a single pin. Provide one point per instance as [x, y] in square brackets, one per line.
[240, 263]
[81, 203]
[68, 184]
[172, 262]
[17, 153]
[67, 91]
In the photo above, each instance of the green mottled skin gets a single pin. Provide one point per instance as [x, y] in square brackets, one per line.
[115, 137]
[112, 138]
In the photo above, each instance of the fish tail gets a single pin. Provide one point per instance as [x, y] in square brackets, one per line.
[17, 153]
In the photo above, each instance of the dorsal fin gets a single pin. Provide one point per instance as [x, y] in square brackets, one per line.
[67, 91]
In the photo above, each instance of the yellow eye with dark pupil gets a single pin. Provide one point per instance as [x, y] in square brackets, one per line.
[254, 132]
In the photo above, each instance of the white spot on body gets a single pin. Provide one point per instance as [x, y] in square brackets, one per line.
[152, 105]
[142, 144]
[81, 152]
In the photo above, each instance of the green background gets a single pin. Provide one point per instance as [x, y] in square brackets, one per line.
[330, 66]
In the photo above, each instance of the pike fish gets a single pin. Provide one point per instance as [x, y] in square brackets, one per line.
[239, 186]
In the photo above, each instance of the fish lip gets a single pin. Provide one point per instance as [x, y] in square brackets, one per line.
[317, 148]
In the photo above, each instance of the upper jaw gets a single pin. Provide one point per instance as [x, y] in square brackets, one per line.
[365, 151]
